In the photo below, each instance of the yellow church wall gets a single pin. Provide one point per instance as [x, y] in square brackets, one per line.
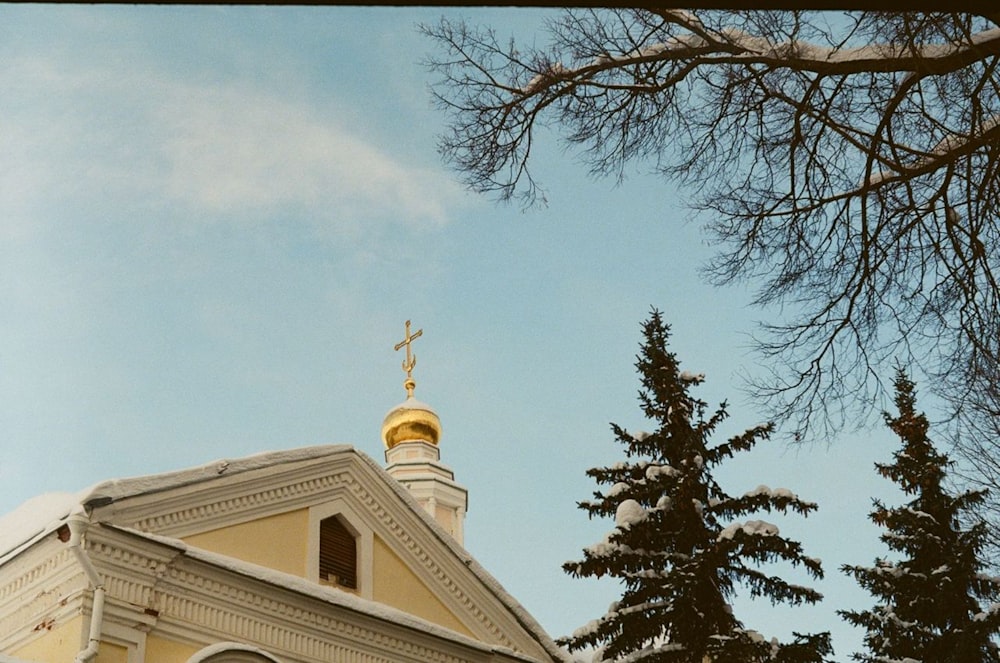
[395, 585]
[280, 542]
[108, 653]
[62, 643]
[277, 542]
[159, 650]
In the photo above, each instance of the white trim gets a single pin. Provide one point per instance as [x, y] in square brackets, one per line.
[43, 588]
[205, 597]
[232, 652]
[132, 639]
[231, 499]
[357, 526]
[211, 497]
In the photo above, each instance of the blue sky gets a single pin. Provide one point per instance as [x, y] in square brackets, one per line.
[214, 222]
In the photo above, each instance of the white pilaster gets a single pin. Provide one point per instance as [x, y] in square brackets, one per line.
[416, 465]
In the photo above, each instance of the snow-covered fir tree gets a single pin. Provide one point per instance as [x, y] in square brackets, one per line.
[934, 605]
[680, 544]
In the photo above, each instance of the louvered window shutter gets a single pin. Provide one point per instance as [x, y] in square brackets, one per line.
[338, 554]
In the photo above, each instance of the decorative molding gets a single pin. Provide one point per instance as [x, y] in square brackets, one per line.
[498, 615]
[416, 466]
[318, 636]
[42, 589]
[40, 614]
[467, 593]
[350, 478]
[132, 637]
[198, 512]
[361, 529]
[199, 603]
[232, 652]
[434, 575]
[27, 571]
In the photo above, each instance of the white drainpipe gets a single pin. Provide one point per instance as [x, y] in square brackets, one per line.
[77, 526]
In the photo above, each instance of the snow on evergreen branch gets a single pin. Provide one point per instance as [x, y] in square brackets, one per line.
[670, 546]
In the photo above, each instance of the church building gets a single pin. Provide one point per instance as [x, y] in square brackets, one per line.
[310, 555]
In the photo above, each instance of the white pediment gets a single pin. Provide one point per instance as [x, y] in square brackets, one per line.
[326, 480]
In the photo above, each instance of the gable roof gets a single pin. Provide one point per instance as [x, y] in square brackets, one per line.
[45, 513]
[111, 501]
[339, 598]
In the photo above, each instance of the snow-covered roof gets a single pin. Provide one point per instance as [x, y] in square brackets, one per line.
[44, 514]
[117, 489]
[523, 616]
[34, 519]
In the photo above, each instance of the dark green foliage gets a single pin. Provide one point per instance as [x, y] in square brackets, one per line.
[681, 544]
[930, 603]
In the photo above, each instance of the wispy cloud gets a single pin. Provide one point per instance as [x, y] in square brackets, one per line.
[229, 149]
[108, 134]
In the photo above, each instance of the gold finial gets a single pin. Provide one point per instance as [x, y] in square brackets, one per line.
[411, 359]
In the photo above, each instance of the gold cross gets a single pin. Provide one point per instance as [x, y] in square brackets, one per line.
[411, 359]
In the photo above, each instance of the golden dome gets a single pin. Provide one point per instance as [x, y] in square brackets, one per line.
[411, 421]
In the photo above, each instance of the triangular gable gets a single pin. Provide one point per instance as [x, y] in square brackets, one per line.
[266, 509]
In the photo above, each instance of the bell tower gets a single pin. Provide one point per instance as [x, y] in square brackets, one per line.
[411, 432]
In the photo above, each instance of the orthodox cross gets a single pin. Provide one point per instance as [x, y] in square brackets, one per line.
[411, 359]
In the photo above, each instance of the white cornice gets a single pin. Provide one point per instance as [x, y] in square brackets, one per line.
[200, 500]
[197, 601]
[467, 581]
[39, 591]
[225, 501]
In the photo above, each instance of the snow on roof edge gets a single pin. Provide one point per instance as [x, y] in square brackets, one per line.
[35, 519]
[60, 505]
[42, 514]
[116, 489]
[524, 618]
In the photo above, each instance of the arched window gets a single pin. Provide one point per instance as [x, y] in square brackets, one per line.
[338, 554]
[232, 652]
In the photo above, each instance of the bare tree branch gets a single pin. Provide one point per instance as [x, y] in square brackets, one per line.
[845, 164]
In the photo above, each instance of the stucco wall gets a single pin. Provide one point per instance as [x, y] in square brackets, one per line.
[159, 650]
[60, 644]
[277, 542]
[394, 584]
[108, 653]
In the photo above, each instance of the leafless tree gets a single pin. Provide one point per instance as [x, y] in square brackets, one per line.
[846, 164]
[977, 447]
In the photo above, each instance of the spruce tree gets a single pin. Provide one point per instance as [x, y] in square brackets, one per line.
[930, 602]
[680, 544]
